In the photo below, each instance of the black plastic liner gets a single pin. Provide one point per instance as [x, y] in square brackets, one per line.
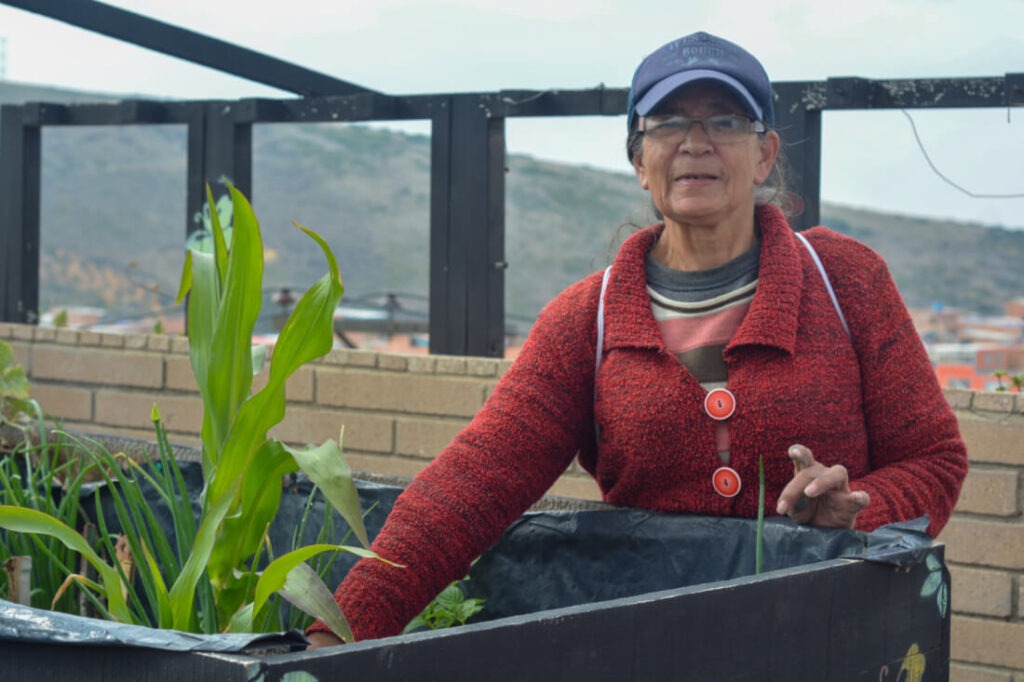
[545, 560]
[549, 560]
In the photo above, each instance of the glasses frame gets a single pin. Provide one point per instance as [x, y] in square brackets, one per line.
[686, 125]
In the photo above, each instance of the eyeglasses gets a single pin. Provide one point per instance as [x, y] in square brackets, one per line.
[720, 129]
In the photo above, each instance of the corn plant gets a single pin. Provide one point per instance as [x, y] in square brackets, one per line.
[242, 466]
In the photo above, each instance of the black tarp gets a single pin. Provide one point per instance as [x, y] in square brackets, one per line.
[546, 560]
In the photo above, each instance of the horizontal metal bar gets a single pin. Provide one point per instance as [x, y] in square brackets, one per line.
[127, 112]
[1015, 89]
[188, 45]
[832, 94]
[599, 101]
[920, 93]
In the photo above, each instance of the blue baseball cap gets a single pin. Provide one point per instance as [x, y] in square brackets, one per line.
[700, 56]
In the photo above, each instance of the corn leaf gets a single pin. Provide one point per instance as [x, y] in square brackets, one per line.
[304, 588]
[182, 594]
[220, 247]
[242, 620]
[301, 586]
[185, 284]
[229, 374]
[326, 467]
[31, 521]
[202, 320]
[307, 335]
[245, 528]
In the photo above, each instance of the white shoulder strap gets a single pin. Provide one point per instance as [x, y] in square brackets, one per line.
[599, 349]
[600, 324]
[824, 276]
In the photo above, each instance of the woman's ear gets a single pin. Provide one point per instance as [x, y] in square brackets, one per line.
[640, 170]
[769, 151]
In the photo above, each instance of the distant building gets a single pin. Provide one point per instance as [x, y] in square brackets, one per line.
[974, 351]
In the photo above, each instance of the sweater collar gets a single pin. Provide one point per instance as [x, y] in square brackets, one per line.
[770, 321]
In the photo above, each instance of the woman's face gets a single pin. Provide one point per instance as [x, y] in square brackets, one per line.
[696, 182]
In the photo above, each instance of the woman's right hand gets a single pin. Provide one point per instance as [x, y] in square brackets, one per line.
[819, 495]
[320, 639]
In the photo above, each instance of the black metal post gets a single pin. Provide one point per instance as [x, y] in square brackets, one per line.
[798, 120]
[467, 242]
[20, 165]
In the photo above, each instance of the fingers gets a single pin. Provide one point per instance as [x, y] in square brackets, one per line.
[793, 499]
[820, 495]
[794, 495]
[835, 478]
[861, 499]
[801, 457]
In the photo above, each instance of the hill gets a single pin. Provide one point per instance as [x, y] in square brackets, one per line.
[113, 220]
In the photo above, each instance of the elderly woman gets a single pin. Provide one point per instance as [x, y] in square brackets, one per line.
[716, 337]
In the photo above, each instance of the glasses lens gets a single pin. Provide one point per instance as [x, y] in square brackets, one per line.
[723, 128]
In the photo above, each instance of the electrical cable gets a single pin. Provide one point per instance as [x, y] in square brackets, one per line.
[973, 195]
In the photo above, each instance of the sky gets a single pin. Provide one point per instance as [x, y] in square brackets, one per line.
[404, 47]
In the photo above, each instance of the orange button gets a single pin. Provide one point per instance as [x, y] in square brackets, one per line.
[726, 482]
[720, 404]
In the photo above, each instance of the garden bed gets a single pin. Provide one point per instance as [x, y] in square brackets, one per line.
[590, 594]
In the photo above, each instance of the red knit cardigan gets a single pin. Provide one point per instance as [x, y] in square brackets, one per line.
[868, 400]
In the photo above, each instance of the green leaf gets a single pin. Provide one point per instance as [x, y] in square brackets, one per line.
[276, 573]
[326, 467]
[307, 335]
[245, 527]
[942, 600]
[183, 591]
[202, 320]
[931, 584]
[307, 591]
[22, 520]
[163, 606]
[220, 247]
[242, 620]
[933, 563]
[759, 546]
[229, 374]
[185, 284]
[13, 383]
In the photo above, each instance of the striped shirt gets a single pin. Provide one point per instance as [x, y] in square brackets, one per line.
[698, 312]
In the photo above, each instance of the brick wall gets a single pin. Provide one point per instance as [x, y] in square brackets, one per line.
[985, 541]
[399, 411]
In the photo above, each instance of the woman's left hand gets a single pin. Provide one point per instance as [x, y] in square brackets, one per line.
[820, 495]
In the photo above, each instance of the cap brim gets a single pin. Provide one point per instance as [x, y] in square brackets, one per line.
[666, 86]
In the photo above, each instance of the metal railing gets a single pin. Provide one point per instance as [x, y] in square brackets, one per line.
[467, 180]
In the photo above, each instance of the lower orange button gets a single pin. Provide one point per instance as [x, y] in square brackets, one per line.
[726, 482]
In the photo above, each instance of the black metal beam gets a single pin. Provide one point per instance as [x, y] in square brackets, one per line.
[834, 94]
[175, 41]
[20, 164]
